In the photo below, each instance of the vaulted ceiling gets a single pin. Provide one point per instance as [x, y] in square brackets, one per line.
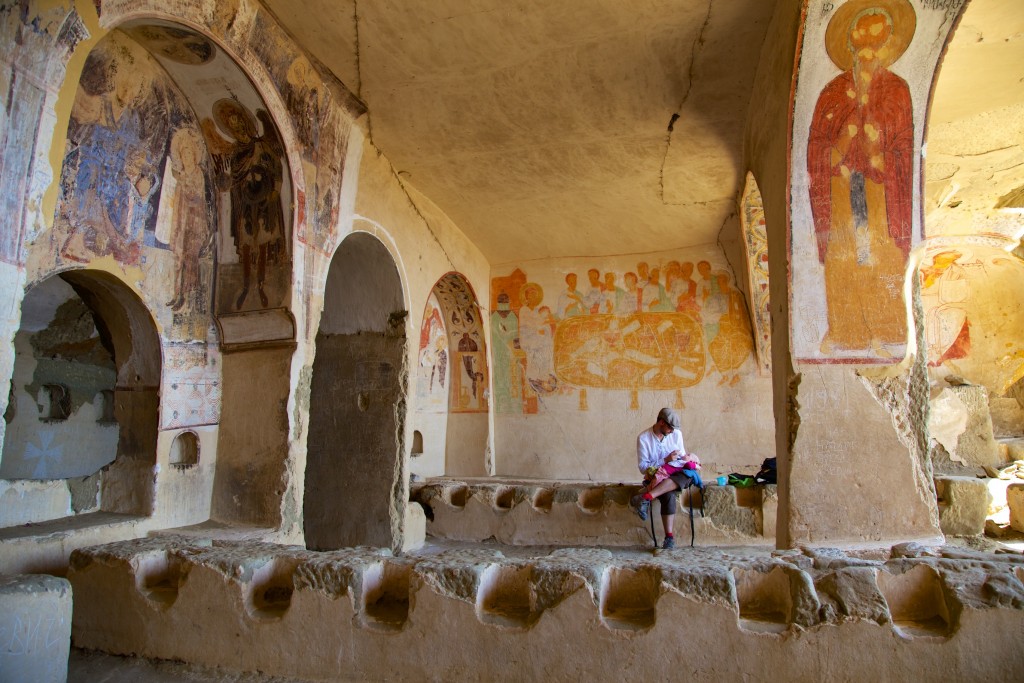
[597, 127]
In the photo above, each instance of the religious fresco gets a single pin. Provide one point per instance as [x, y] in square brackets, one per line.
[855, 217]
[636, 332]
[249, 185]
[247, 156]
[945, 296]
[432, 367]
[28, 85]
[125, 111]
[452, 323]
[755, 240]
[316, 109]
[137, 184]
[973, 324]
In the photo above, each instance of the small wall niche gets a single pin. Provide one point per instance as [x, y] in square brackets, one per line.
[457, 496]
[158, 577]
[56, 403]
[629, 598]
[506, 597]
[543, 500]
[765, 600]
[184, 450]
[417, 444]
[917, 605]
[505, 498]
[592, 500]
[271, 589]
[386, 596]
[106, 399]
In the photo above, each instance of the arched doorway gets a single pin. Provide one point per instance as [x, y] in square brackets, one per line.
[970, 264]
[451, 383]
[355, 473]
[83, 416]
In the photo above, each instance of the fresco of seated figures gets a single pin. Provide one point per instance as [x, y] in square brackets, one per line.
[653, 329]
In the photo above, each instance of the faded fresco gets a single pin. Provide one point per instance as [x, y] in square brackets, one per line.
[432, 381]
[137, 183]
[970, 294]
[452, 368]
[632, 331]
[125, 112]
[316, 110]
[855, 219]
[28, 83]
[755, 240]
[248, 158]
[248, 185]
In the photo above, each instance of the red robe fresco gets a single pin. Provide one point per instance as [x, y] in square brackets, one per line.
[860, 163]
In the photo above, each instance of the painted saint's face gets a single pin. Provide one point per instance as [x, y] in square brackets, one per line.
[869, 33]
[570, 280]
[238, 126]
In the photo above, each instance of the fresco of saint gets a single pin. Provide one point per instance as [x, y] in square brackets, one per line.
[249, 166]
[860, 163]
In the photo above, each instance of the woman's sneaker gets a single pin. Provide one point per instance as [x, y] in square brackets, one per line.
[670, 542]
[641, 506]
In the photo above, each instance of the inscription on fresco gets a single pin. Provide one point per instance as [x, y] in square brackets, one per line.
[950, 7]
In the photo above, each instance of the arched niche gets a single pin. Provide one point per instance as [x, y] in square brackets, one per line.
[451, 382]
[88, 334]
[355, 472]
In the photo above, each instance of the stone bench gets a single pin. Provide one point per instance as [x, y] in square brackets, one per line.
[517, 512]
[911, 613]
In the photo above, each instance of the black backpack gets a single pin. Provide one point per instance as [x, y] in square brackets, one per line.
[768, 473]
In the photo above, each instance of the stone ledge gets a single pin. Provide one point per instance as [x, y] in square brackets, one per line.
[364, 613]
[587, 513]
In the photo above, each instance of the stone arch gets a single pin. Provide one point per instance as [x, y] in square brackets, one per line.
[87, 332]
[452, 393]
[355, 467]
[220, 202]
[969, 268]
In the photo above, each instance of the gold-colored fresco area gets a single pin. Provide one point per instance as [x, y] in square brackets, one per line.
[653, 350]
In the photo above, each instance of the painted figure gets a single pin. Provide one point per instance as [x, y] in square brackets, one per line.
[860, 163]
[192, 236]
[536, 338]
[507, 369]
[433, 350]
[734, 342]
[945, 292]
[250, 168]
[570, 302]
[686, 300]
[612, 294]
[595, 292]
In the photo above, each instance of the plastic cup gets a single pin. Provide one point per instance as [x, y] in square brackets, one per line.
[722, 481]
